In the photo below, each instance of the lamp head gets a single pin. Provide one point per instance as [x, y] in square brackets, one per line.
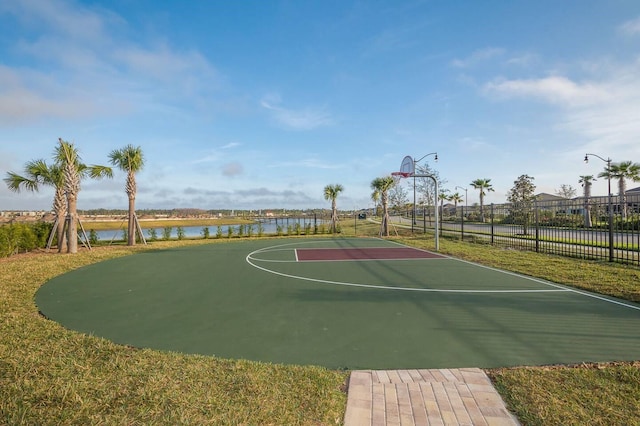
[436, 157]
[586, 158]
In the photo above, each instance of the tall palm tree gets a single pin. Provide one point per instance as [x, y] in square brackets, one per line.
[381, 186]
[456, 198]
[622, 171]
[36, 174]
[442, 197]
[484, 185]
[331, 193]
[375, 197]
[586, 182]
[130, 160]
[69, 161]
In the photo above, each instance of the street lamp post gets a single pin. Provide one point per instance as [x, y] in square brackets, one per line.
[463, 210]
[413, 219]
[608, 161]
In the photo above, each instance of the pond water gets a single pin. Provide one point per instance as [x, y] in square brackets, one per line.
[268, 227]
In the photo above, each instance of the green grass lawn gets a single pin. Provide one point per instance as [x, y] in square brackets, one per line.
[49, 375]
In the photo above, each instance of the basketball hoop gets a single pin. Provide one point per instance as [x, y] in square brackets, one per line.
[397, 176]
[400, 175]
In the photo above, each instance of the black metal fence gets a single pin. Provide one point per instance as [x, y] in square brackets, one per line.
[598, 228]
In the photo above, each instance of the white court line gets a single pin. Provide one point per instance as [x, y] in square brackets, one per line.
[249, 258]
[550, 284]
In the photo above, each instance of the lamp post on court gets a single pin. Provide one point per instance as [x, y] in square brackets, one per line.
[415, 162]
[608, 161]
[464, 208]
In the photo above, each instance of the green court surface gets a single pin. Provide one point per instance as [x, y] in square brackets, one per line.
[340, 303]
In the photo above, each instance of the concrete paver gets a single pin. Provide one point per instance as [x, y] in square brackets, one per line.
[425, 397]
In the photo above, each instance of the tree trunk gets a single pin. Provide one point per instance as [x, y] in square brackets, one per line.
[623, 197]
[385, 217]
[60, 209]
[60, 231]
[334, 216]
[131, 230]
[587, 214]
[72, 230]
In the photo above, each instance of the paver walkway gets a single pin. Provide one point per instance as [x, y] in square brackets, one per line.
[424, 397]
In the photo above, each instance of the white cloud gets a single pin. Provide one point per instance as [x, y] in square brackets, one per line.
[20, 103]
[308, 163]
[478, 57]
[554, 89]
[63, 17]
[523, 60]
[304, 119]
[630, 28]
[603, 113]
[230, 145]
[92, 71]
[165, 64]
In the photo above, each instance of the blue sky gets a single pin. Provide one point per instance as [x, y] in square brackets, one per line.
[260, 104]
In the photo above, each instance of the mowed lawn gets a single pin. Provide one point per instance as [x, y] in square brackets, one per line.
[49, 375]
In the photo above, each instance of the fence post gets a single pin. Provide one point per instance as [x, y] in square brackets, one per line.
[535, 206]
[424, 221]
[462, 228]
[492, 223]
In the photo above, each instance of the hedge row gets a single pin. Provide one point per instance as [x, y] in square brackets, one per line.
[23, 237]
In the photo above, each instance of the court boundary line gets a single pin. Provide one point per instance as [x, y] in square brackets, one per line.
[249, 258]
[549, 283]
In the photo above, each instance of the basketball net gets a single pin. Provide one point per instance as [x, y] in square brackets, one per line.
[397, 176]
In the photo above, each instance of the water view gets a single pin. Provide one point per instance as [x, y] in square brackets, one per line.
[269, 226]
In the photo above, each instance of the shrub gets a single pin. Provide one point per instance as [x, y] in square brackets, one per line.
[219, 232]
[9, 240]
[260, 229]
[180, 231]
[23, 237]
[279, 230]
[205, 232]
[166, 232]
[93, 237]
[229, 231]
[42, 231]
[153, 234]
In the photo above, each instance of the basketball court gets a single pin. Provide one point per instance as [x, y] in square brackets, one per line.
[356, 303]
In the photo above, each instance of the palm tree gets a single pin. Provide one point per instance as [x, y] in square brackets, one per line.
[331, 193]
[381, 186]
[37, 173]
[456, 198]
[622, 171]
[375, 197]
[69, 161]
[129, 159]
[586, 182]
[73, 170]
[442, 197]
[484, 185]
